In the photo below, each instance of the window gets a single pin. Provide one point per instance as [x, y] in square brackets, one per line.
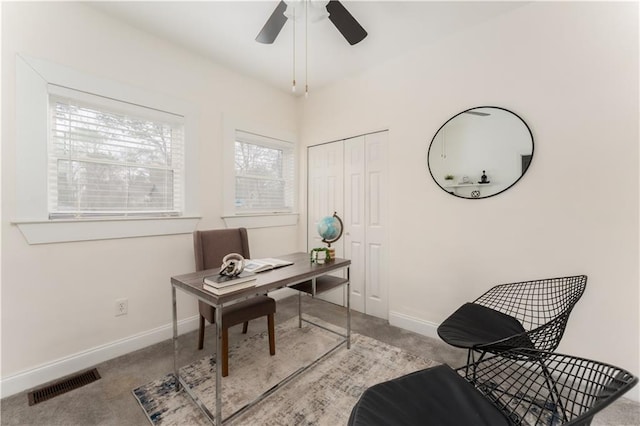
[112, 158]
[264, 174]
[99, 159]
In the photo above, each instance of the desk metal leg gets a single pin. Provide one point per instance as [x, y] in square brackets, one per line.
[219, 365]
[348, 310]
[175, 336]
[299, 309]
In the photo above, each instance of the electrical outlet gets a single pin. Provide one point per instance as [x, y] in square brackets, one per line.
[122, 307]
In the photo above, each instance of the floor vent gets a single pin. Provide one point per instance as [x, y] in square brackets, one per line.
[62, 386]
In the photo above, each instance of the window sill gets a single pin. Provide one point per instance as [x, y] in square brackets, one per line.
[261, 220]
[60, 231]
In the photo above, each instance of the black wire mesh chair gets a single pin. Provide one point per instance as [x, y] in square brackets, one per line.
[532, 387]
[525, 387]
[530, 314]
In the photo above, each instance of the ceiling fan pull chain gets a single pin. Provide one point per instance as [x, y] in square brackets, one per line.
[293, 87]
[306, 48]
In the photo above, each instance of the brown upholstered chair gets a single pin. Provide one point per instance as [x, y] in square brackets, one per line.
[209, 248]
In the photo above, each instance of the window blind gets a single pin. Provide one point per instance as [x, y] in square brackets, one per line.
[264, 174]
[111, 158]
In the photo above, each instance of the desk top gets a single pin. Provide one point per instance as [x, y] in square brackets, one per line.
[301, 270]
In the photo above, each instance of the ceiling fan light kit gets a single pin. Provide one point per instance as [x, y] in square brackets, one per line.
[314, 11]
[317, 9]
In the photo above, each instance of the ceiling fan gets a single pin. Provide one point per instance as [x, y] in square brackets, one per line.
[351, 30]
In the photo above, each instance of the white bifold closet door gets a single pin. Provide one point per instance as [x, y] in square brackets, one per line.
[325, 195]
[350, 178]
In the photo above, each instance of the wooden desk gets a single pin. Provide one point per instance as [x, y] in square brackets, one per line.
[304, 276]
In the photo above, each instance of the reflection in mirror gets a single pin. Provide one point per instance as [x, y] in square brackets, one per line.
[480, 152]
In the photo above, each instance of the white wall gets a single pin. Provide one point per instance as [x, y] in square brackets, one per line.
[58, 299]
[570, 70]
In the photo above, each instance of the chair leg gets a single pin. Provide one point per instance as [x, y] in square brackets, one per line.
[201, 333]
[272, 334]
[225, 352]
[555, 405]
[245, 326]
[470, 362]
[473, 362]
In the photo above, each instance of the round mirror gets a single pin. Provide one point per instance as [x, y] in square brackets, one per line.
[480, 152]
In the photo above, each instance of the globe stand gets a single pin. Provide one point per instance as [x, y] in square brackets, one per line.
[330, 229]
[332, 253]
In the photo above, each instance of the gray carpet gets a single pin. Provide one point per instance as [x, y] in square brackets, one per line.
[109, 402]
[322, 395]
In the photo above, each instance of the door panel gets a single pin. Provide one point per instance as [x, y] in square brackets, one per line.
[376, 277]
[326, 196]
[354, 219]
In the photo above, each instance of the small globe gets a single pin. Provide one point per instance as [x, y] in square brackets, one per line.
[330, 228]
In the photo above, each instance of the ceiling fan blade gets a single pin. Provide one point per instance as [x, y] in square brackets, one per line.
[273, 25]
[345, 22]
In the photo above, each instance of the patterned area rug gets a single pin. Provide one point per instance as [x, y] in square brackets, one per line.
[322, 395]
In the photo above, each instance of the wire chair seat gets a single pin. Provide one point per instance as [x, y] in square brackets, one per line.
[530, 314]
[532, 387]
[518, 387]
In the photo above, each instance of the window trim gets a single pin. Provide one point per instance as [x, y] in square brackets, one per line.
[235, 219]
[32, 104]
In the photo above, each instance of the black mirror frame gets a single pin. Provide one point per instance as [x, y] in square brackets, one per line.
[465, 111]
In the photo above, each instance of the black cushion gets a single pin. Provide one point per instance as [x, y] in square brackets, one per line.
[435, 396]
[472, 325]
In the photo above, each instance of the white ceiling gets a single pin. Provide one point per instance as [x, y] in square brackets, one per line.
[225, 32]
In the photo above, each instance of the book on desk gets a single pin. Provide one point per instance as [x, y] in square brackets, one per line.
[260, 265]
[223, 284]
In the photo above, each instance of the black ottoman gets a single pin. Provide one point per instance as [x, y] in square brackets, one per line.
[435, 396]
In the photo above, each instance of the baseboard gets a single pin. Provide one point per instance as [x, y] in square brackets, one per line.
[28, 379]
[426, 328]
[44, 373]
[37, 376]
